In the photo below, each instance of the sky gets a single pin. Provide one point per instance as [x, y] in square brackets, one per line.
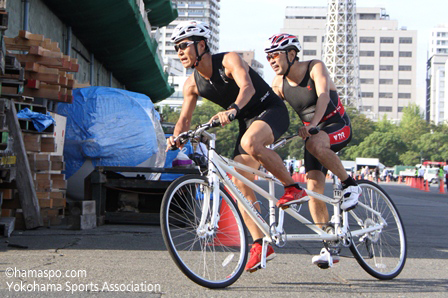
[247, 24]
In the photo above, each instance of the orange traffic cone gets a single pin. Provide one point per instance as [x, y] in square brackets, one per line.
[399, 179]
[227, 228]
[387, 179]
[422, 184]
[442, 187]
[427, 186]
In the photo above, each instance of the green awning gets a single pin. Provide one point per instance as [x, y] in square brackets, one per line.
[114, 31]
[160, 12]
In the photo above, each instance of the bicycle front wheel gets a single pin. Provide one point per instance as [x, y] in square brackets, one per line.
[211, 258]
[381, 253]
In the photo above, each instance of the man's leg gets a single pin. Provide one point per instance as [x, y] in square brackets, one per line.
[319, 146]
[257, 235]
[248, 193]
[318, 209]
[254, 142]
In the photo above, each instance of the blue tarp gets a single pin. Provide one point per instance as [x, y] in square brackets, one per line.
[40, 121]
[110, 126]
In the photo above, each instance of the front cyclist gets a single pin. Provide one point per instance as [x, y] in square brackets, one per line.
[308, 88]
[228, 81]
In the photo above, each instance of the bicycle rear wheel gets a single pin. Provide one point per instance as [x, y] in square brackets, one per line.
[215, 259]
[381, 253]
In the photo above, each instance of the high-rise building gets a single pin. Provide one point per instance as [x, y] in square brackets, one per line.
[201, 10]
[387, 56]
[437, 68]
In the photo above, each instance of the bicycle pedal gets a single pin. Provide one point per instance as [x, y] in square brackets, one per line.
[255, 269]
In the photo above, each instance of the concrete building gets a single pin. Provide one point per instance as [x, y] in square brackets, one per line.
[249, 57]
[437, 68]
[387, 59]
[202, 10]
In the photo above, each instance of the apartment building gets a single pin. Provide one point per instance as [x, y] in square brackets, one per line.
[387, 56]
[437, 68]
[201, 10]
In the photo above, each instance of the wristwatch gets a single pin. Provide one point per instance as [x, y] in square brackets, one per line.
[234, 106]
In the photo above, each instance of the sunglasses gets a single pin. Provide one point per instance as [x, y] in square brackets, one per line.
[182, 46]
[272, 55]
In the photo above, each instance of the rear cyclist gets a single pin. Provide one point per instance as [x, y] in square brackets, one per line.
[308, 88]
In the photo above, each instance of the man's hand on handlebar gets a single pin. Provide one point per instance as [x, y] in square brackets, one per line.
[224, 117]
[171, 144]
[308, 131]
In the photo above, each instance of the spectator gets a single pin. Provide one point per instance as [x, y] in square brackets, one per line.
[421, 172]
[376, 174]
[445, 169]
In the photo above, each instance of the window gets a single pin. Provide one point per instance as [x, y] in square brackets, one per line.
[400, 109]
[405, 39]
[367, 94]
[386, 67]
[309, 52]
[386, 40]
[310, 39]
[366, 81]
[367, 39]
[405, 67]
[386, 81]
[366, 67]
[405, 54]
[385, 95]
[404, 82]
[404, 95]
[384, 109]
[386, 54]
[367, 16]
[366, 53]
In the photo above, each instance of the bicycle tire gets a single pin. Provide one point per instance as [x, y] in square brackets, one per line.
[212, 261]
[382, 253]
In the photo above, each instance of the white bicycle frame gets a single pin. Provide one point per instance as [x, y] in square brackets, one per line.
[218, 166]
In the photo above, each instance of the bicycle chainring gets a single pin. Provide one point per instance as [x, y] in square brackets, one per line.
[279, 239]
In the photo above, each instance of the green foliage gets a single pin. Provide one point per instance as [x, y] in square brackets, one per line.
[169, 114]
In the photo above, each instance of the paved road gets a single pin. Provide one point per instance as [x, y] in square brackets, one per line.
[134, 256]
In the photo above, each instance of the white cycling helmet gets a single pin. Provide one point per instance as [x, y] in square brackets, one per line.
[282, 41]
[190, 28]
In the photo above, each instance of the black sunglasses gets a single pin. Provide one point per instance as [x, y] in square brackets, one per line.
[182, 46]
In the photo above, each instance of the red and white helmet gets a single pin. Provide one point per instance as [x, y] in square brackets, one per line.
[190, 28]
[282, 41]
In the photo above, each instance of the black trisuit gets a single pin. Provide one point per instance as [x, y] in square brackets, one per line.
[335, 122]
[265, 105]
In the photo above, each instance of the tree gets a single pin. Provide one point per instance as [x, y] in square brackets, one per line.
[386, 146]
[362, 127]
[412, 125]
[169, 114]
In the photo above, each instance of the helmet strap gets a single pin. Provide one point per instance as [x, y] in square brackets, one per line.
[198, 57]
[290, 63]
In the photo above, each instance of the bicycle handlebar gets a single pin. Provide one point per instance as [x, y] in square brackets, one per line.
[185, 136]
